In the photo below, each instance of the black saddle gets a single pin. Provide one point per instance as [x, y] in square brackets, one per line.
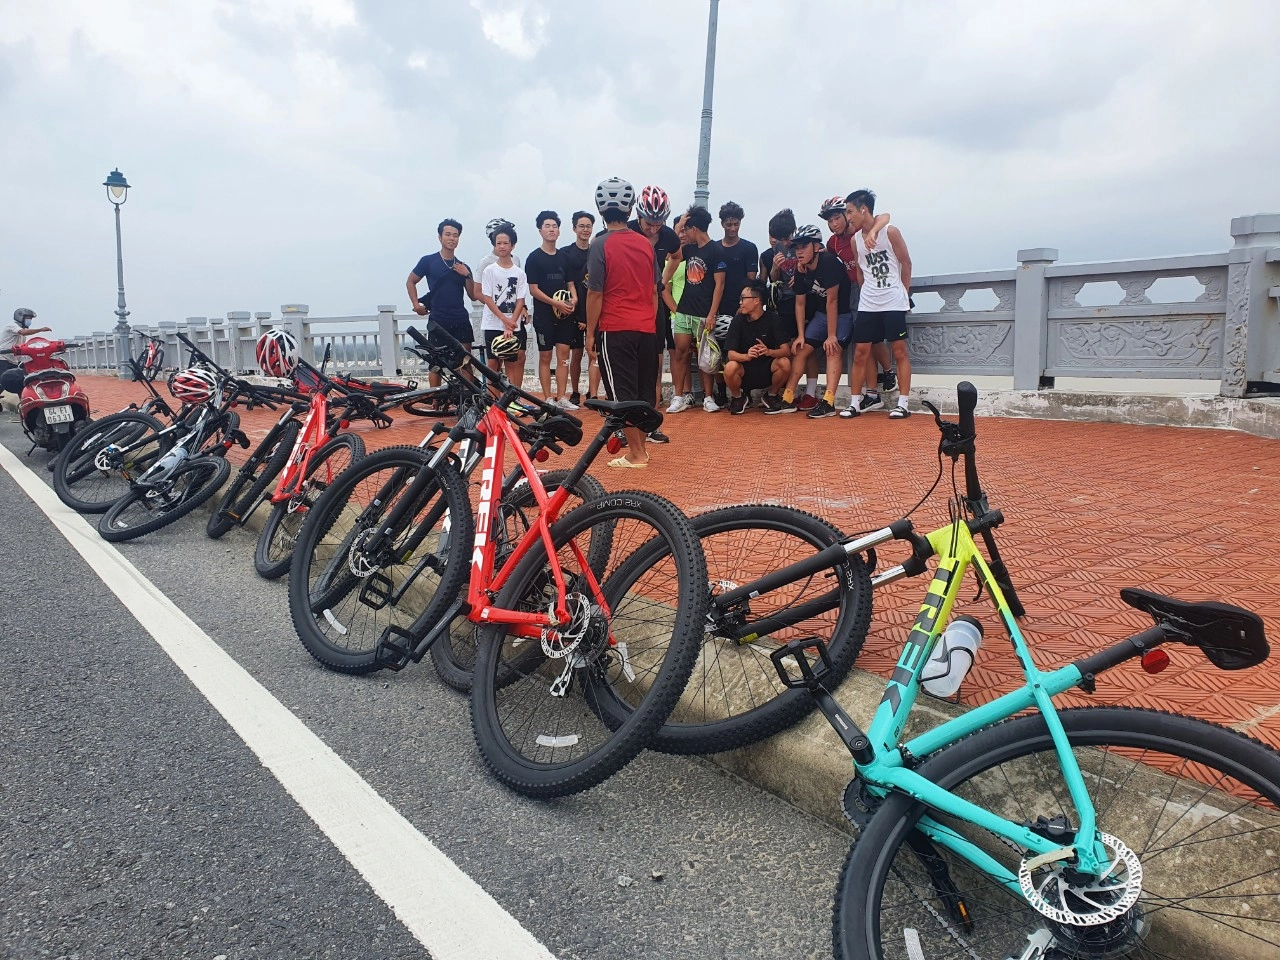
[1231, 637]
[634, 413]
[559, 427]
[373, 387]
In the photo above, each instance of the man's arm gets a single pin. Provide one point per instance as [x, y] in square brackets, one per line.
[716, 296]
[595, 300]
[412, 286]
[900, 251]
[800, 299]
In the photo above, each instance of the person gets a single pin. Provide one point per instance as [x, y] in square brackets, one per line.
[822, 319]
[448, 278]
[698, 307]
[490, 229]
[622, 310]
[778, 265]
[575, 255]
[548, 275]
[741, 257]
[12, 334]
[841, 244]
[884, 272]
[652, 210]
[757, 351]
[503, 289]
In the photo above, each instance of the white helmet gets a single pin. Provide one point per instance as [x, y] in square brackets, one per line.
[721, 329]
[193, 385]
[615, 194]
[277, 353]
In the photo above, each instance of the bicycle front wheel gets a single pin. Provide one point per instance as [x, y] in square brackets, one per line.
[144, 511]
[249, 488]
[556, 715]
[94, 469]
[1196, 806]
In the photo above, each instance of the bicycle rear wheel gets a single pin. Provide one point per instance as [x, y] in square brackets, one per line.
[89, 476]
[559, 715]
[1197, 804]
[734, 696]
[274, 552]
[144, 511]
[248, 491]
[343, 600]
[454, 654]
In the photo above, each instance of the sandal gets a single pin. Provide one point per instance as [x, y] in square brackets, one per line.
[624, 462]
[899, 413]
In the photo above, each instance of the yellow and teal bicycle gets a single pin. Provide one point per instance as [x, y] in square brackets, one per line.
[1021, 831]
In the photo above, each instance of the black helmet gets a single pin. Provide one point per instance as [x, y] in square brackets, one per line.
[23, 316]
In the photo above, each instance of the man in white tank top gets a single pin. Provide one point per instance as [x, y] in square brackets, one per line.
[884, 271]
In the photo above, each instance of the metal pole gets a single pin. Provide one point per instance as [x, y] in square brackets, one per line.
[123, 332]
[701, 195]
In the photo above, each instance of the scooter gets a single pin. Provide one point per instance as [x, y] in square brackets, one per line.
[51, 405]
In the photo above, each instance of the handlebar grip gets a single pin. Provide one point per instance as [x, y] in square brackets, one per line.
[967, 396]
[417, 335]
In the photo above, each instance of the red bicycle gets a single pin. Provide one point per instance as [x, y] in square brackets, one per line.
[582, 652]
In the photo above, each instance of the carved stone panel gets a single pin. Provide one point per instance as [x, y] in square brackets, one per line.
[1236, 330]
[1213, 282]
[962, 345]
[1158, 345]
[1065, 295]
[1135, 288]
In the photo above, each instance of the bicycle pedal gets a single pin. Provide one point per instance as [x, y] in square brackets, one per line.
[395, 649]
[376, 592]
[809, 678]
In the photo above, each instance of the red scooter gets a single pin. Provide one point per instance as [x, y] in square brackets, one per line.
[51, 405]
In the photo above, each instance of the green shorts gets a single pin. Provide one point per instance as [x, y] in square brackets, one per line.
[687, 324]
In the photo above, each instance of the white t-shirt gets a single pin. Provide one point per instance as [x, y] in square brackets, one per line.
[882, 288]
[506, 287]
[493, 258]
[10, 336]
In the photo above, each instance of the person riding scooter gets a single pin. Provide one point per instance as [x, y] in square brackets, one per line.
[11, 334]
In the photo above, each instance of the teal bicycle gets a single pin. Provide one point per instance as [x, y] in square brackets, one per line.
[1020, 831]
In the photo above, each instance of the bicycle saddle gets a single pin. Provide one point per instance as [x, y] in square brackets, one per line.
[566, 430]
[634, 413]
[370, 386]
[1231, 637]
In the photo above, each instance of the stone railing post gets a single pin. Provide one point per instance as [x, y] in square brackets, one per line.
[293, 317]
[1251, 337]
[236, 332]
[388, 339]
[194, 331]
[1030, 316]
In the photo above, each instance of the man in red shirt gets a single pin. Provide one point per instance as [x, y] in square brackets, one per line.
[622, 310]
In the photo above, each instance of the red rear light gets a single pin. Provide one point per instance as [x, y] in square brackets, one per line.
[542, 456]
[613, 445]
[343, 424]
[1153, 661]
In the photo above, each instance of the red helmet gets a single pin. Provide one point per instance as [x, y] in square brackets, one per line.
[277, 353]
[654, 204]
[831, 207]
[193, 385]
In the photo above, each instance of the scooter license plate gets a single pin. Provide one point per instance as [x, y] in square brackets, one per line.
[59, 414]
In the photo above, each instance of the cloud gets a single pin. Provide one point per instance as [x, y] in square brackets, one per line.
[520, 30]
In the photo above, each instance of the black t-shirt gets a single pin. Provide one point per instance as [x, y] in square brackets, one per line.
[575, 267]
[666, 244]
[828, 273]
[739, 260]
[744, 332]
[550, 273]
[701, 264]
[784, 279]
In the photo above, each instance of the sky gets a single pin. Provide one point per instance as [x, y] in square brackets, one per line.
[303, 151]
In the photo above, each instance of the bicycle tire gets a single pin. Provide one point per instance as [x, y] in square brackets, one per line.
[1186, 773]
[86, 489]
[215, 444]
[247, 491]
[454, 654]
[274, 552]
[734, 696]
[115, 528]
[563, 743]
[324, 545]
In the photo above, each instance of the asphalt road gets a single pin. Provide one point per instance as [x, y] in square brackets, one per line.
[134, 822]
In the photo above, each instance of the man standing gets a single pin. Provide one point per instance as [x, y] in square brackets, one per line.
[575, 258]
[698, 307]
[740, 256]
[757, 351]
[841, 244]
[884, 270]
[622, 309]
[447, 279]
[553, 322]
[502, 290]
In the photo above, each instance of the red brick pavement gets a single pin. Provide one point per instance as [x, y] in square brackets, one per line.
[1089, 507]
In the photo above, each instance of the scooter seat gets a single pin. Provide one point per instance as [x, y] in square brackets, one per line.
[48, 375]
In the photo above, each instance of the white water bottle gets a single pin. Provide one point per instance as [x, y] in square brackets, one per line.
[952, 657]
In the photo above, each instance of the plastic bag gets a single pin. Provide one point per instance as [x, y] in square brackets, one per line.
[709, 355]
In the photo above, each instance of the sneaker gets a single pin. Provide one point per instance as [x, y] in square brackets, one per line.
[721, 396]
[710, 405]
[771, 403]
[822, 409]
[807, 402]
[870, 401]
[737, 405]
[576, 399]
[888, 380]
[851, 411]
[566, 404]
[659, 437]
[783, 407]
[899, 413]
[678, 405]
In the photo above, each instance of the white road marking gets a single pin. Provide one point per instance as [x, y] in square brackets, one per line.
[444, 908]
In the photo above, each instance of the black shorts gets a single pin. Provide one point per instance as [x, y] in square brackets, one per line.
[666, 336]
[522, 338]
[873, 326]
[553, 330]
[757, 374]
[628, 364]
[460, 330]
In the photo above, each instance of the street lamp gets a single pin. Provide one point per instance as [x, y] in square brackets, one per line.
[118, 192]
[700, 192]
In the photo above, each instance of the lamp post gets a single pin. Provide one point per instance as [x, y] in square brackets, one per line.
[700, 192]
[118, 192]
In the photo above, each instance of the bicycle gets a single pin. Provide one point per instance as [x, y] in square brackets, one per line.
[152, 361]
[1086, 832]
[581, 655]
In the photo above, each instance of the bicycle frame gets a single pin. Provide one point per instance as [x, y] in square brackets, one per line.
[316, 431]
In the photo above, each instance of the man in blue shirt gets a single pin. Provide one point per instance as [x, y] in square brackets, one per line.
[447, 279]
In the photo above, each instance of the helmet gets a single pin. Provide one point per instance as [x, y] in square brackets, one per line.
[495, 223]
[23, 316]
[831, 207]
[277, 353]
[806, 234]
[615, 194]
[505, 347]
[193, 385]
[654, 204]
[564, 296]
[721, 329]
